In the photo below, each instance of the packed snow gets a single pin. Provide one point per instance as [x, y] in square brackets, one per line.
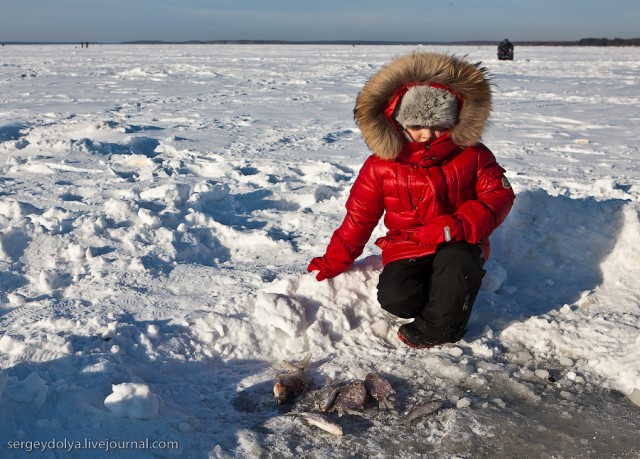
[159, 206]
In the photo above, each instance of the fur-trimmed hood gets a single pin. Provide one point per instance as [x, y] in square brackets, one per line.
[376, 102]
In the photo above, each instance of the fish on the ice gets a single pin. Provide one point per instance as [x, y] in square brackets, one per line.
[319, 421]
[292, 382]
[351, 398]
[326, 396]
[381, 390]
[422, 410]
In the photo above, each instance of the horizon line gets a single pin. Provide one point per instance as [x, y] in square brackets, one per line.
[603, 40]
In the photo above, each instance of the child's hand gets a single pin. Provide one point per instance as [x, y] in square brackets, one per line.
[445, 228]
[318, 264]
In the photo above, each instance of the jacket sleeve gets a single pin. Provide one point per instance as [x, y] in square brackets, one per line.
[481, 216]
[365, 206]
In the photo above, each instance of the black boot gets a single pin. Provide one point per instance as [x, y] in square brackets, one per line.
[412, 337]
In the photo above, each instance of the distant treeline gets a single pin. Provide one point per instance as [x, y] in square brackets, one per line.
[607, 42]
[581, 42]
[584, 42]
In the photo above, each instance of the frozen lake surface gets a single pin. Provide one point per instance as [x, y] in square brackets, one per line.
[159, 206]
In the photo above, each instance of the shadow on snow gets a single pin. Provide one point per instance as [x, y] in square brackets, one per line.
[552, 248]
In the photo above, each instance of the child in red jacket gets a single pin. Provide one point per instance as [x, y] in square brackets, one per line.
[441, 191]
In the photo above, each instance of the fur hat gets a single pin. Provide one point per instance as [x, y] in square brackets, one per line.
[427, 106]
[425, 69]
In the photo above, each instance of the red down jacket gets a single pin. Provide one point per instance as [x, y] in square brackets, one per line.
[430, 193]
[465, 185]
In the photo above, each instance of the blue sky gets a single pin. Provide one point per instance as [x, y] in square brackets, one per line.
[411, 20]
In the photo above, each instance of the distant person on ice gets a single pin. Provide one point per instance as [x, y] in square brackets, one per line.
[505, 50]
[441, 191]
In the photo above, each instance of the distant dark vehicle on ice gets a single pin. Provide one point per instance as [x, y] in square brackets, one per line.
[505, 50]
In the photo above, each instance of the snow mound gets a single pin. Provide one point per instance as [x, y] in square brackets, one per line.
[132, 400]
[281, 312]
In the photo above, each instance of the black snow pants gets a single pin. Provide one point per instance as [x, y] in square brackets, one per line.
[437, 290]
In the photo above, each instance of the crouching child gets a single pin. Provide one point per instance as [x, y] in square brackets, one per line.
[441, 191]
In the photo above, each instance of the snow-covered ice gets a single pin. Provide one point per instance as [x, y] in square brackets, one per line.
[159, 206]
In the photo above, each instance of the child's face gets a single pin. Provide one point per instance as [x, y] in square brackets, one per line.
[425, 133]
